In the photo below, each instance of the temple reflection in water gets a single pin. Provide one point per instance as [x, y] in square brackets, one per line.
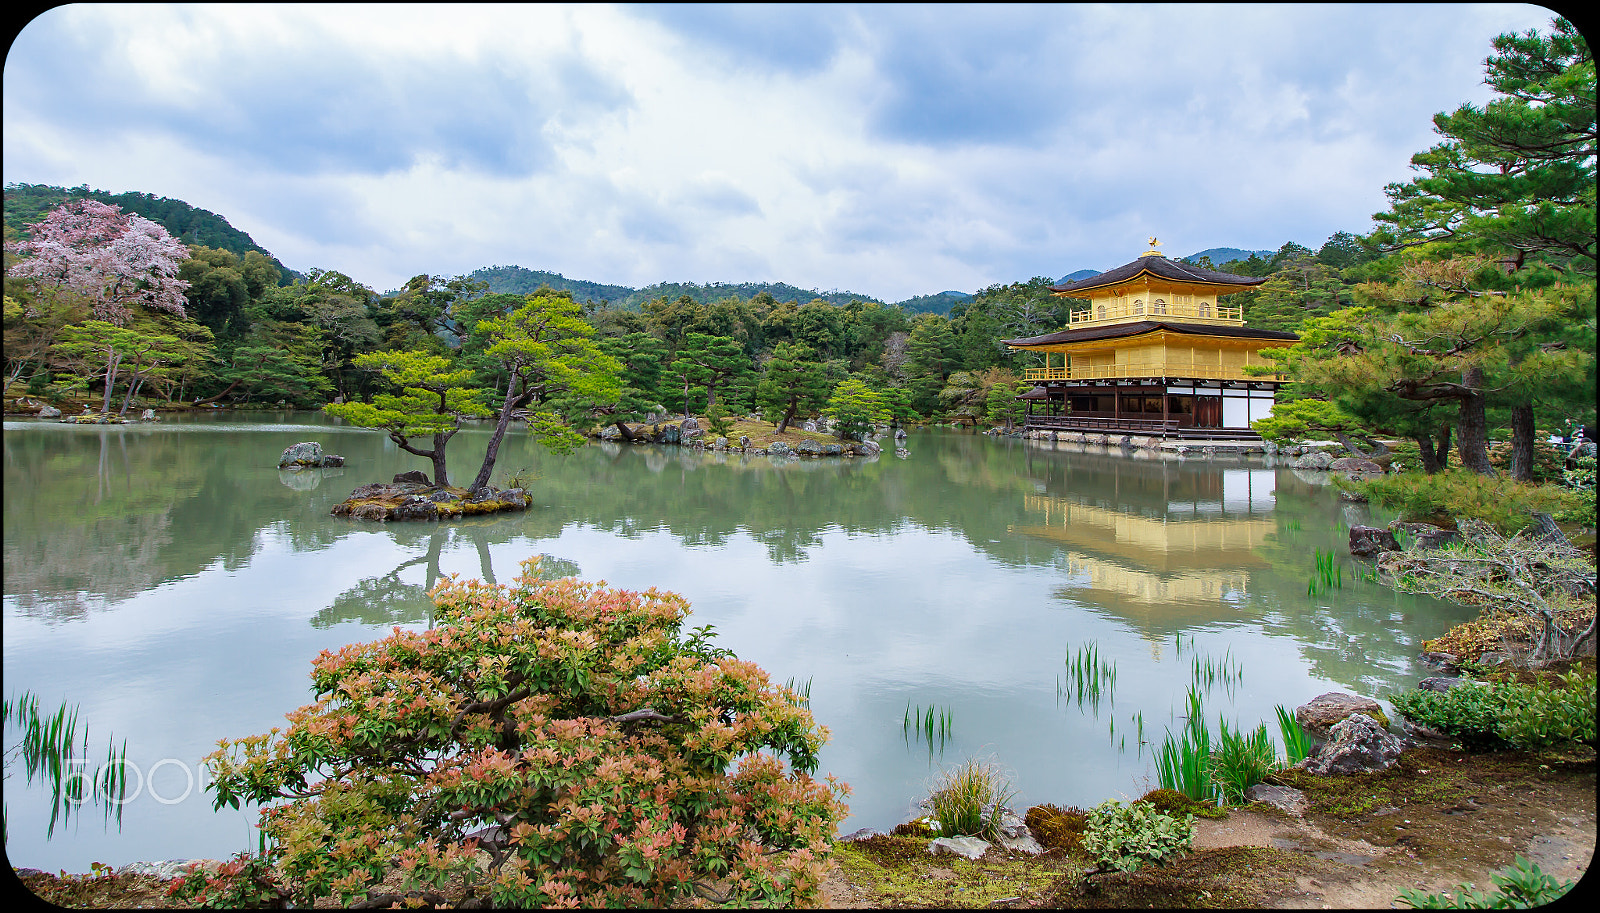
[1161, 566]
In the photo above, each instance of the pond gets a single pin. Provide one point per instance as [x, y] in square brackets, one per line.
[169, 581]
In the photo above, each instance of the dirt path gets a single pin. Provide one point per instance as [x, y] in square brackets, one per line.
[1439, 819]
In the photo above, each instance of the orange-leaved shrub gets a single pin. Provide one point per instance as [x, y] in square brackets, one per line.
[550, 743]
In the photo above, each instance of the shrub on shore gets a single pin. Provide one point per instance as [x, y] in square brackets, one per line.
[547, 743]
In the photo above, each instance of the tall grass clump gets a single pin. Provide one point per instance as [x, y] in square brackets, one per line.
[1326, 575]
[1241, 760]
[1296, 742]
[967, 801]
[1183, 763]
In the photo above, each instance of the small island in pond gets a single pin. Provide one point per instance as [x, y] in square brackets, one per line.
[412, 497]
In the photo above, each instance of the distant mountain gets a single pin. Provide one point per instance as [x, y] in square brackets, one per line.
[939, 303]
[716, 291]
[1221, 255]
[26, 204]
[517, 280]
[1080, 274]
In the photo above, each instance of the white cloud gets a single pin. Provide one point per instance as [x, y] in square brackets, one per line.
[888, 150]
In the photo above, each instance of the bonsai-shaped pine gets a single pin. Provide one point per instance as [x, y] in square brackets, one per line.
[548, 352]
[792, 383]
[613, 761]
[431, 402]
[709, 362]
[856, 407]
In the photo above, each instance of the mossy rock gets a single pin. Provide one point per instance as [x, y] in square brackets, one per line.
[1057, 828]
[1176, 804]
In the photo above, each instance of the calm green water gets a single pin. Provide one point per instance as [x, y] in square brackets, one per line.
[175, 585]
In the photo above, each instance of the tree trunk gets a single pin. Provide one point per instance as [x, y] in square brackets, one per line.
[441, 475]
[622, 427]
[133, 390]
[788, 416]
[1522, 441]
[112, 360]
[1472, 425]
[500, 426]
[225, 391]
[1435, 455]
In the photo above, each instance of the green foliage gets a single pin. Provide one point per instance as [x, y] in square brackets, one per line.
[616, 764]
[1183, 763]
[243, 882]
[1125, 837]
[433, 397]
[856, 407]
[967, 801]
[1503, 503]
[792, 384]
[1547, 460]
[1498, 714]
[1521, 885]
[717, 420]
[1580, 481]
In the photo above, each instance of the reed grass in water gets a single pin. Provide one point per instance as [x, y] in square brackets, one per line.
[55, 751]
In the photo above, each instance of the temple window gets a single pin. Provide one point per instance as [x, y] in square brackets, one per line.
[1102, 312]
[1160, 307]
[1205, 309]
[1138, 306]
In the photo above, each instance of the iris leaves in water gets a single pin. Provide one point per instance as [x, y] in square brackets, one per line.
[55, 751]
[932, 725]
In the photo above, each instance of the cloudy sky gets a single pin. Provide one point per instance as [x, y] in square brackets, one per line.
[888, 150]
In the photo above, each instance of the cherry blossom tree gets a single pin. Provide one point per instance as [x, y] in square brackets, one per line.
[112, 258]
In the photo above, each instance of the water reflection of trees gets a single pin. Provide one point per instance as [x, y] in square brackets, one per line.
[93, 517]
[386, 599]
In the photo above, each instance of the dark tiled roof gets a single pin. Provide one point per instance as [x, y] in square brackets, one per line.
[1119, 330]
[1176, 270]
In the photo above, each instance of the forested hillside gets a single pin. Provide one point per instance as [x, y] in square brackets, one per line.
[26, 204]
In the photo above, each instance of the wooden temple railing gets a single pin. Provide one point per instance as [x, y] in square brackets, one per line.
[1167, 369]
[1101, 423]
[1221, 314]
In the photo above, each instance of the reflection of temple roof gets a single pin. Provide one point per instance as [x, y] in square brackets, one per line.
[1155, 543]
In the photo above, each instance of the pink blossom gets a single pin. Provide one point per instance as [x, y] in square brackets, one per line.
[113, 258]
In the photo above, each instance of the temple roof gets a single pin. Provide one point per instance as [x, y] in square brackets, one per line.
[1174, 270]
[1117, 330]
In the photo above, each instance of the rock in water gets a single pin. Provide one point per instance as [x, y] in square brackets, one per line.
[301, 455]
[49, 411]
[415, 475]
[1313, 460]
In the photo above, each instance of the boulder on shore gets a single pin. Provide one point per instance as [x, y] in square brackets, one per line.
[1356, 745]
[1325, 711]
[1369, 541]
